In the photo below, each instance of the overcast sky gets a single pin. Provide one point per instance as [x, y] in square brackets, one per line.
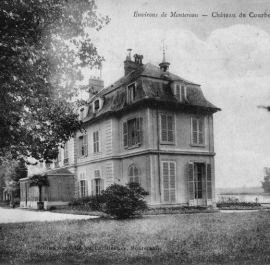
[229, 57]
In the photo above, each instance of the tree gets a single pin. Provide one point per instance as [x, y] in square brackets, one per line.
[43, 47]
[11, 173]
[39, 181]
[125, 201]
[266, 181]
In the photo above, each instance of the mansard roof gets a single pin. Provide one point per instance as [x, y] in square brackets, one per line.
[152, 86]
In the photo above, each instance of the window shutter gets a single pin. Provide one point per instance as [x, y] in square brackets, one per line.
[178, 92]
[200, 131]
[101, 185]
[94, 140]
[209, 181]
[139, 130]
[86, 188]
[182, 93]
[125, 134]
[194, 131]
[79, 189]
[172, 182]
[170, 128]
[163, 128]
[80, 147]
[191, 183]
[166, 182]
[92, 187]
[86, 145]
[97, 139]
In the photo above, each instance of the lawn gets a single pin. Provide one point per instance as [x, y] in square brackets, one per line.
[238, 238]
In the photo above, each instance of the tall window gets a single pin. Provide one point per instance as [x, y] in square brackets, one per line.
[133, 174]
[83, 185]
[83, 145]
[131, 93]
[82, 188]
[197, 131]
[180, 92]
[168, 181]
[132, 132]
[97, 184]
[167, 128]
[96, 142]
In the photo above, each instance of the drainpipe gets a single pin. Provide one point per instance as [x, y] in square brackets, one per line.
[158, 148]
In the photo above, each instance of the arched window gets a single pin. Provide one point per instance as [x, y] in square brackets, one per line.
[134, 174]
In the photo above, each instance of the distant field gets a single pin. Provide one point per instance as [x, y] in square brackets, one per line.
[175, 239]
[242, 190]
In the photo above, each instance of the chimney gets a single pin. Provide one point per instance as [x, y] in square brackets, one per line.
[130, 65]
[95, 83]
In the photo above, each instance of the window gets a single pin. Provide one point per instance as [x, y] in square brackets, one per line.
[199, 183]
[197, 134]
[66, 150]
[97, 184]
[83, 185]
[180, 92]
[131, 93]
[83, 145]
[133, 174]
[132, 132]
[168, 181]
[96, 105]
[167, 128]
[96, 142]
[82, 188]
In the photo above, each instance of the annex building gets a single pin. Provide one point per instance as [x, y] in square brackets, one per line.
[150, 126]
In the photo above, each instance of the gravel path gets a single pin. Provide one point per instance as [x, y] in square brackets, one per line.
[19, 216]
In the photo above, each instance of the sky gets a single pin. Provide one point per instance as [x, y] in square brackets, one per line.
[228, 56]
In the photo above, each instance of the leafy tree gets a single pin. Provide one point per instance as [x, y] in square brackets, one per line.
[11, 173]
[39, 181]
[125, 201]
[43, 47]
[266, 181]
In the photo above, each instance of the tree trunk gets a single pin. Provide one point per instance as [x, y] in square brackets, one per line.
[11, 203]
[40, 190]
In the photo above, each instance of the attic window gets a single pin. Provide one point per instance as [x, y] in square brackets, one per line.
[131, 93]
[180, 92]
[96, 105]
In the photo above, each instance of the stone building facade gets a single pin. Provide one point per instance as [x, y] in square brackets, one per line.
[150, 126]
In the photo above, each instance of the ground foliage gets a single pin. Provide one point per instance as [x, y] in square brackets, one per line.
[125, 201]
[220, 238]
[43, 47]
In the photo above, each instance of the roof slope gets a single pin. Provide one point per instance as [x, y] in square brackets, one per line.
[151, 84]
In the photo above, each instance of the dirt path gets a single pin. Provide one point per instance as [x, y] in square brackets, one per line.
[19, 216]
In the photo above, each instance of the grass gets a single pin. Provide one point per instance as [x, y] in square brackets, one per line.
[235, 238]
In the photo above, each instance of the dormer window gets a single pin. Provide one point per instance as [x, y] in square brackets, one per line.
[180, 92]
[81, 114]
[97, 105]
[131, 93]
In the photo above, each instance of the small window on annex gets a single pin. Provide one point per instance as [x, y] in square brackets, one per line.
[134, 174]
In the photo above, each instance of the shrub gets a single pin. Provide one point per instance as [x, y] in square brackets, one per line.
[124, 202]
[52, 208]
[93, 203]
